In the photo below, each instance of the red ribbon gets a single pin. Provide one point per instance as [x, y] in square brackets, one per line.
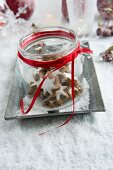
[56, 64]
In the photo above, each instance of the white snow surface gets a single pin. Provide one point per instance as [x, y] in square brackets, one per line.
[85, 143]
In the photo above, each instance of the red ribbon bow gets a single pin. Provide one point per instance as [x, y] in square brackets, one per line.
[56, 64]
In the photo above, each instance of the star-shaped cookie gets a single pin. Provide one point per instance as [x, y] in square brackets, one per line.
[61, 92]
[49, 85]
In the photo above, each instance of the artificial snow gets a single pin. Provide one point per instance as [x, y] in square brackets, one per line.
[85, 143]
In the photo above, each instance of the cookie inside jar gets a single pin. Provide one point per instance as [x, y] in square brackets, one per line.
[57, 87]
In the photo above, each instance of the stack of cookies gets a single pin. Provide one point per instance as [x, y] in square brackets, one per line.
[56, 89]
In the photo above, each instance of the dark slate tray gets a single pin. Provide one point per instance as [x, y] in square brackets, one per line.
[18, 91]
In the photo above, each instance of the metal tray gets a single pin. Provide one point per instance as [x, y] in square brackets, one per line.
[18, 91]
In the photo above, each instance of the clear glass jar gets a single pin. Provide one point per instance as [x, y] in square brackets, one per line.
[50, 44]
[79, 12]
[48, 13]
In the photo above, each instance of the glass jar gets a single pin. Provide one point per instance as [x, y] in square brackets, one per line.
[79, 12]
[46, 45]
[48, 13]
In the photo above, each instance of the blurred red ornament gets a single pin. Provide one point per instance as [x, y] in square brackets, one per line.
[65, 10]
[105, 8]
[21, 8]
